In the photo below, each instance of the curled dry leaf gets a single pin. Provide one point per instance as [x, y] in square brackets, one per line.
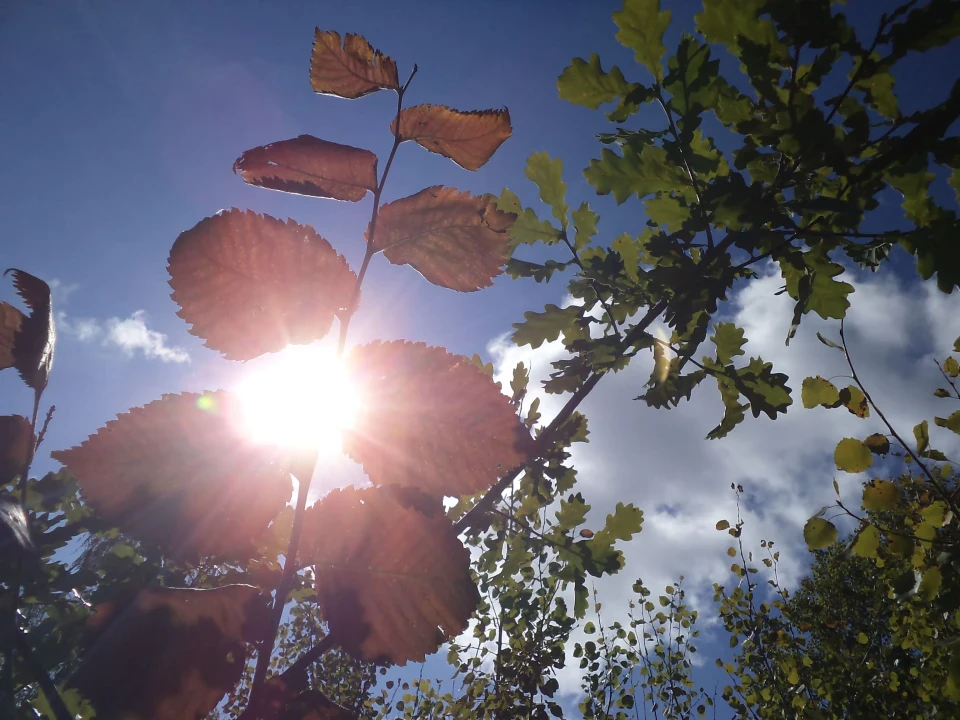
[33, 336]
[179, 473]
[307, 165]
[431, 420]
[453, 239]
[16, 438]
[351, 68]
[467, 138]
[393, 580]
[170, 653]
[251, 284]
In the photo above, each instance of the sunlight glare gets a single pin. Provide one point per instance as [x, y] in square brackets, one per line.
[302, 398]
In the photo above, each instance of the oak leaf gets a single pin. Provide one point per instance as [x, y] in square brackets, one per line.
[34, 335]
[16, 437]
[431, 420]
[178, 473]
[170, 653]
[393, 581]
[453, 239]
[467, 138]
[351, 68]
[251, 284]
[307, 165]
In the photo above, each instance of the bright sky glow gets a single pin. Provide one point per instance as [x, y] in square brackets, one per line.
[301, 397]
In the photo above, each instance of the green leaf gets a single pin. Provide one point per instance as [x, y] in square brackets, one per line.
[819, 533]
[880, 495]
[572, 512]
[527, 229]
[585, 223]
[538, 328]
[934, 24]
[548, 176]
[726, 21]
[922, 433]
[862, 638]
[817, 391]
[642, 25]
[878, 444]
[628, 248]
[930, 585]
[585, 83]
[641, 171]
[951, 423]
[867, 543]
[729, 340]
[809, 280]
[625, 522]
[852, 456]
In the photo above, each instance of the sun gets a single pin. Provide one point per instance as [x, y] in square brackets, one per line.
[299, 398]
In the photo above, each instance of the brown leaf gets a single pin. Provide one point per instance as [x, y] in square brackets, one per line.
[10, 321]
[467, 138]
[351, 69]
[307, 165]
[179, 473]
[453, 239]
[251, 284]
[431, 420]
[34, 340]
[393, 580]
[171, 653]
[16, 438]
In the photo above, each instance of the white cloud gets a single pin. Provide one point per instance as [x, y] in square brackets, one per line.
[131, 335]
[660, 461]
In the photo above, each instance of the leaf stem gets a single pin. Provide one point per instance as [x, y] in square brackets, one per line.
[374, 215]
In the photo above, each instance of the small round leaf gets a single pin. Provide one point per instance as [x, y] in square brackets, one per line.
[819, 533]
[852, 456]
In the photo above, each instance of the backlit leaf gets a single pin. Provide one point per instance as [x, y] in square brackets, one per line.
[547, 173]
[171, 653]
[453, 239]
[393, 581]
[852, 456]
[817, 391]
[642, 25]
[10, 321]
[878, 444]
[641, 171]
[585, 83]
[307, 165]
[36, 336]
[951, 423]
[179, 473]
[930, 585]
[585, 223]
[431, 420]
[351, 68]
[467, 138]
[880, 495]
[547, 326]
[15, 441]
[251, 284]
[819, 533]
[527, 229]
[729, 340]
[867, 542]
[921, 432]
[855, 401]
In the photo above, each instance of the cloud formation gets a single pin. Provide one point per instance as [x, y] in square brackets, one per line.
[660, 460]
[130, 335]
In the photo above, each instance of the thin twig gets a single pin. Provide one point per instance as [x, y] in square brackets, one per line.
[926, 471]
[59, 708]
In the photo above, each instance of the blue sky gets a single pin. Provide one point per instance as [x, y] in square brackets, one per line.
[121, 122]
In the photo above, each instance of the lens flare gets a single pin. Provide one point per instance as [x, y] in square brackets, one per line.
[302, 398]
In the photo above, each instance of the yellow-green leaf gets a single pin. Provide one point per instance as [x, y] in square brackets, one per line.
[585, 83]
[817, 391]
[642, 25]
[548, 175]
[880, 495]
[951, 423]
[819, 533]
[922, 433]
[930, 585]
[868, 541]
[852, 456]
[878, 444]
